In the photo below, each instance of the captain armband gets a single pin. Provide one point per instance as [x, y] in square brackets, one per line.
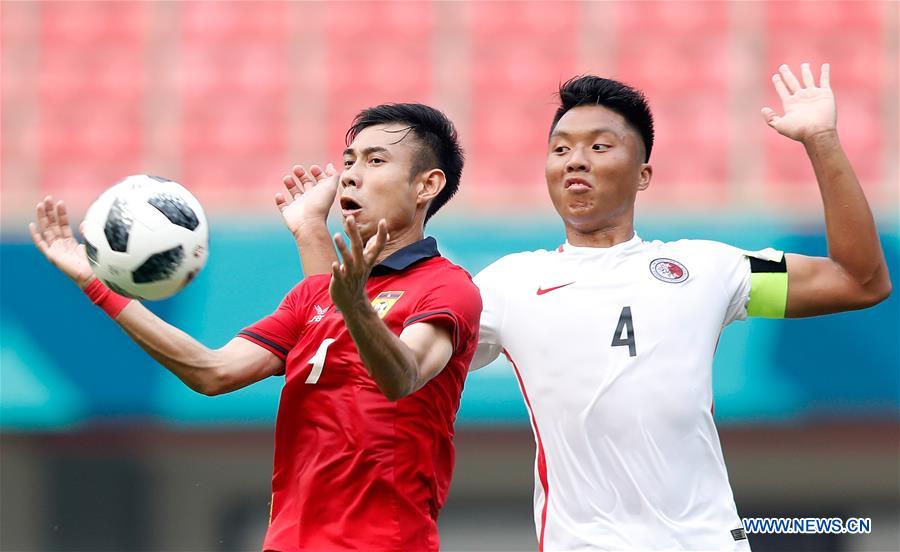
[768, 285]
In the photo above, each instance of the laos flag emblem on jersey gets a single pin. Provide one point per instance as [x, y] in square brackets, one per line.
[384, 301]
[668, 270]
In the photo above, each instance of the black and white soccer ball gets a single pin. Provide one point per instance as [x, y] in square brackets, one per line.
[146, 237]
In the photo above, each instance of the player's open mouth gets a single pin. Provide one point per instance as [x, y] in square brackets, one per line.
[349, 206]
[576, 185]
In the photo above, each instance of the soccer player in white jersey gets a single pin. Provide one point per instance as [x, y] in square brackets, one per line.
[612, 337]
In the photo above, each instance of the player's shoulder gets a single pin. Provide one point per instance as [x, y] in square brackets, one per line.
[695, 251]
[712, 251]
[441, 272]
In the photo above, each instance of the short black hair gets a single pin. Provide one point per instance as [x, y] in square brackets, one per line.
[438, 138]
[628, 102]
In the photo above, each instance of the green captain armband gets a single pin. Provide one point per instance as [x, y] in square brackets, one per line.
[768, 288]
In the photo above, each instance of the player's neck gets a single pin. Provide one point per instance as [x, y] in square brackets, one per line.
[400, 239]
[602, 236]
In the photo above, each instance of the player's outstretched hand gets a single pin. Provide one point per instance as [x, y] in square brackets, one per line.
[53, 236]
[808, 109]
[311, 196]
[348, 278]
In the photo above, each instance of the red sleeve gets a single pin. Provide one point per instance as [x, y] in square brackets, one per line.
[453, 303]
[281, 330]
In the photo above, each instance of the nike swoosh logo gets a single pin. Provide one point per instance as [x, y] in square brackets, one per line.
[541, 291]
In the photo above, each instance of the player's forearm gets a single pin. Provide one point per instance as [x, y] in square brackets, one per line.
[194, 364]
[853, 241]
[315, 248]
[390, 362]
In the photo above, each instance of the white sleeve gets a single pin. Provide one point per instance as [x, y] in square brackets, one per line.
[489, 282]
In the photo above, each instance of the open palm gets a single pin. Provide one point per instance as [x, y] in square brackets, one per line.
[808, 109]
[311, 194]
[53, 237]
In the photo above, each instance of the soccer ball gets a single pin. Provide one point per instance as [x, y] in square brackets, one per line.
[146, 237]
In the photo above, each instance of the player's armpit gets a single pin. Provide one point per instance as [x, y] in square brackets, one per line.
[818, 285]
[240, 363]
[432, 346]
[485, 354]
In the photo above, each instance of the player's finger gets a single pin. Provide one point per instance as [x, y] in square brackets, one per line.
[825, 77]
[806, 74]
[317, 172]
[280, 202]
[346, 257]
[376, 243]
[292, 185]
[53, 223]
[300, 177]
[770, 116]
[63, 218]
[37, 238]
[306, 180]
[780, 87]
[356, 242]
[44, 222]
[330, 170]
[789, 79]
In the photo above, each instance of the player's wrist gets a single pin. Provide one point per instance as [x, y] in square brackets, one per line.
[821, 137]
[83, 283]
[110, 302]
[311, 228]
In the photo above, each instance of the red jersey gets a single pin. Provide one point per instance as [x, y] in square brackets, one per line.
[354, 470]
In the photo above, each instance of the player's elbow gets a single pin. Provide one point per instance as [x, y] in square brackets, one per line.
[210, 385]
[213, 377]
[878, 288]
[396, 391]
[401, 385]
[878, 293]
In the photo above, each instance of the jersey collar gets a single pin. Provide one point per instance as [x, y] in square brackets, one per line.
[623, 247]
[407, 256]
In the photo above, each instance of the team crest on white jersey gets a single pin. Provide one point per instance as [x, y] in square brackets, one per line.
[668, 270]
[320, 314]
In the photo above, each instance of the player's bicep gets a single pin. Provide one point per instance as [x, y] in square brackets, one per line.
[432, 347]
[242, 362]
[818, 285]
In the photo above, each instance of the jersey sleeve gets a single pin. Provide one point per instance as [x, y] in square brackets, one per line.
[489, 282]
[454, 304]
[281, 330]
[756, 282]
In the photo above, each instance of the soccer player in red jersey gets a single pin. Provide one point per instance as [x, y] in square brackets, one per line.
[374, 354]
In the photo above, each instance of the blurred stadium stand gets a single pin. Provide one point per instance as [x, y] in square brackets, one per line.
[104, 450]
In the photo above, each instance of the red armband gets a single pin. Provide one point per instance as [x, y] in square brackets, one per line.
[100, 295]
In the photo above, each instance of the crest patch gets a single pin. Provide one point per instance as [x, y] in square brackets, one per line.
[668, 270]
[384, 301]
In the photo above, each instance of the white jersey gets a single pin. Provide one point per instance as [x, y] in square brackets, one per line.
[613, 350]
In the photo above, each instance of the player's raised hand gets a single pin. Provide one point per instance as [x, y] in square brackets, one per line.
[808, 109]
[53, 236]
[311, 196]
[348, 278]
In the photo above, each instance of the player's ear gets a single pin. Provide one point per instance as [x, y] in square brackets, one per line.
[430, 184]
[646, 174]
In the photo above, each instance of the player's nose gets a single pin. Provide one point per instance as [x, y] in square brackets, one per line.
[350, 178]
[577, 161]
